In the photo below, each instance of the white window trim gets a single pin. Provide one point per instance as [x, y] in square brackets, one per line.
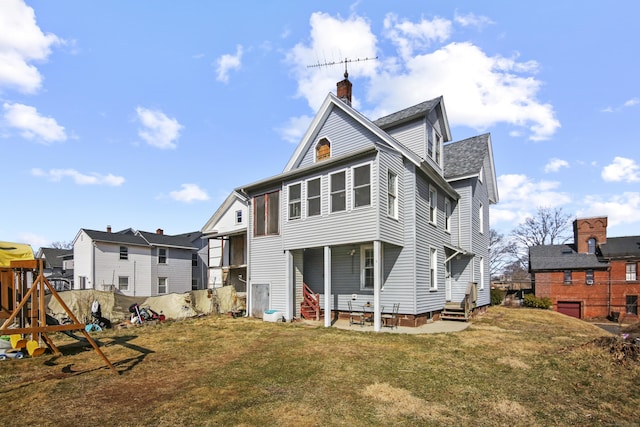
[353, 187]
[345, 190]
[119, 279]
[394, 194]
[363, 249]
[433, 268]
[166, 256]
[447, 215]
[166, 285]
[481, 273]
[433, 220]
[481, 218]
[289, 202]
[306, 197]
[627, 272]
[239, 215]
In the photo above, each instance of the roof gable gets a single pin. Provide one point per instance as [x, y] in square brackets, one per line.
[213, 224]
[417, 111]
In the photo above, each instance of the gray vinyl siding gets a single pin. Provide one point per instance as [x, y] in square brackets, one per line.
[464, 213]
[481, 240]
[429, 236]
[330, 229]
[177, 270]
[343, 132]
[411, 135]
[391, 229]
[109, 267]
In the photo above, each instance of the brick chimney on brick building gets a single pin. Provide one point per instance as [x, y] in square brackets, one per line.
[344, 89]
[160, 231]
[586, 229]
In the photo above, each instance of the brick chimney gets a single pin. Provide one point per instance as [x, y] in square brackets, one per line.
[108, 229]
[588, 228]
[344, 89]
[160, 231]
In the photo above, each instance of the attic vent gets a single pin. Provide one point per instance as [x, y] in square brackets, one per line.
[323, 150]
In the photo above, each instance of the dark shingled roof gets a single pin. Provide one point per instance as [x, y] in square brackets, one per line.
[54, 256]
[466, 157]
[154, 239]
[407, 114]
[144, 238]
[621, 247]
[562, 257]
[126, 238]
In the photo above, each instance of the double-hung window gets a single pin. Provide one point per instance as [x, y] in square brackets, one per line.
[338, 192]
[632, 272]
[366, 265]
[295, 201]
[361, 186]
[632, 304]
[123, 283]
[433, 268]
[589, 277]
[433, 205]
[162, 285]
[266, 214]
[392, 195]
[481, 218]
[567, 277]
[447, 215]
[162, 255]
[313, 197]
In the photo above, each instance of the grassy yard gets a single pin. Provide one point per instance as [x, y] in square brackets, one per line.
[511, 367]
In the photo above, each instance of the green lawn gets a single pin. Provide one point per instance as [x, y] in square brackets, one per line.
[510, 367]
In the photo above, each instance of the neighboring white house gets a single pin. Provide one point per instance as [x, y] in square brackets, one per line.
[373, 213]
[226, 232]
[138, 263]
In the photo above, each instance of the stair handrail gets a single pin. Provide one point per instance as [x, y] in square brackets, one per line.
[312, 299]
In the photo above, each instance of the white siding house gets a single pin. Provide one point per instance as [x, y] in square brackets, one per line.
[137, 263]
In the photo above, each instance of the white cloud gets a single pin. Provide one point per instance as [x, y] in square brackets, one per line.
[409, 36]
[472, 20]
[627, 104]
[479, 90]
[32, 125]
[34, 240]
[56, 175]
[21, 42]
[632, 102]
[189, 193]
[295, 128]
[555, 165]
[227, 63]
[620, 209]
[158, 130]
[622, 169]
[521, 196]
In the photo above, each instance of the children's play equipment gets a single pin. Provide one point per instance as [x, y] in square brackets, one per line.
[24, 308]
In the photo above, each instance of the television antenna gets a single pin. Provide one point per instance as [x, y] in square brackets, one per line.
[342, 61]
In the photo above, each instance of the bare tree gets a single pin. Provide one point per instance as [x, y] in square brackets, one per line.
[502, 252]
[62, 245]
[548, 227]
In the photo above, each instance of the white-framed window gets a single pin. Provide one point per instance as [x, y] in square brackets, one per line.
[433, 268]
[447, 215]
[238, 217]
[567, 277]
[632, 272]
[338, 185]
[589, 277]
[392, 194]
[430, 133]
[162, 255]
[124, 252]
[295, 201]
[438, 147]
[481, 273]
[162, 285]
[266, 214]
[313, 197]
[481, 218]
[362, 186]
[123, 283]
[433, 205]
[366, 267]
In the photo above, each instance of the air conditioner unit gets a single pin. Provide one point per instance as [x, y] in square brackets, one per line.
[589, 282]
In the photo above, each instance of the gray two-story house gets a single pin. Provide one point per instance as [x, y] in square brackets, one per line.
[373, 212]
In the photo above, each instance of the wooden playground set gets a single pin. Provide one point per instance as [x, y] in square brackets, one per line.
[23, 291]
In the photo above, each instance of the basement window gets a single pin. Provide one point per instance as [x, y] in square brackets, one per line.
[632, 304]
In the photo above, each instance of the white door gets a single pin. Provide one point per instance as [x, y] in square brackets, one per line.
[447, 280]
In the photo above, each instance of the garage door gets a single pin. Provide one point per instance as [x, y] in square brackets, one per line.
[570, 308]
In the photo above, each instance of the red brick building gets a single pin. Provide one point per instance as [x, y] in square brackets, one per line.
[595, 276]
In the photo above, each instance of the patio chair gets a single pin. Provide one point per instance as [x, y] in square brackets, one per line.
[355, 317]
[390, 320]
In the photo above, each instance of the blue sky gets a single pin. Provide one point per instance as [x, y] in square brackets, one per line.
[147, 114]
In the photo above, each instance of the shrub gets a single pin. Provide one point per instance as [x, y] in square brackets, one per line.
[497, 296]
[530, 300]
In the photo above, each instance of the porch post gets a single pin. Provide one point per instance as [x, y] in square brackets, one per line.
[327, 286]
[377, 284]
[289, 280]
